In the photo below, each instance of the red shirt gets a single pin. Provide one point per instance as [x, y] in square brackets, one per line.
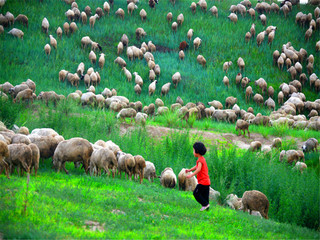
[203, 176]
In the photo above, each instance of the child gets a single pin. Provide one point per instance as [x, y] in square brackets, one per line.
[201, 192]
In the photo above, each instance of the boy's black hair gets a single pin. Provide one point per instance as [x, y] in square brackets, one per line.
[199, 148]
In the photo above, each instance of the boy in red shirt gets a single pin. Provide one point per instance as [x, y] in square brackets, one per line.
[201, 192]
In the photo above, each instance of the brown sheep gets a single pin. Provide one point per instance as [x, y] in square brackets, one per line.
[72, 150]
[255, 200]
[126, 163]
[242, 125]
[4, 153]
[276, 143]
[230, 101]
[289, 156]
[104, 159]
[22, 19]
[183, 45]
[270, 91]
[25, 95]
[244, 82]
[139, 166]
[35, 158]
[258, 99]
[20, 155]
[46, 144]
[255, 146]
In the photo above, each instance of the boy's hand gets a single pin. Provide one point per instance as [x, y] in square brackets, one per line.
[189, 176]
[187, 170]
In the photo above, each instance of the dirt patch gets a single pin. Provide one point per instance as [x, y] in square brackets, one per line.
[164, 49]
[117, 211]
[94, 226]
[220, 139]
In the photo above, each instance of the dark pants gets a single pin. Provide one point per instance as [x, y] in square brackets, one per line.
[201, 194]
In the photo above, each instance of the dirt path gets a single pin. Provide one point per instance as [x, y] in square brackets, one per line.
[214, 137]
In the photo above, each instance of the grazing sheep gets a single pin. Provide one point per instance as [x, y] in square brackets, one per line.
[196, 43]
[73, 27]
[169, 17]
[141, 118]
[20, 155]
[258, 99]
[186, 184]
[260, 38]
[253, 30]
[226, 66]
[241, 63]
[181, 55]
[263, 19]
[140, 165]
[193, 7]
[176, 78]
[152, 75]
[165, 89]
[255, 146]
[310, 145]
[137, 89]
[225, 81]
[121, 62]
[22, 19]
[53, 42]
[45, 25]
[233, 17]
[183, 45]
[247, 37]
[201, 60]
[127, 113]
[230, 101]
[214, 11]
[301, 166]
[16, 33]
[105, 159]
[203, 5]
[126, 163]
[216, 104]
[4, 153]
[24, 95]
[233, 201]
[262, 84]
[72, 150]
[242, 125]
[152, 87]
[271, 37]
[174, 26]
[280, 62]
[270, 103]
[35, 158]
[220, 115]
[140, 33]
[92, 20]
[167, 178]
[255, 200]
[276, 143]
[106, 7]
[47, 49]
[290, 156]
[190, 34]
[120, 13]
[252, 13]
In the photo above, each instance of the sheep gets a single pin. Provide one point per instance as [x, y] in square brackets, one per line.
[23, 19]
[23, 130]
[220, 115]
[16, 33]
[310, 145]
[20, 155]
[180, 19]
[140, 165]
[105, 159]
[280, 62]
[152, 3]
[92, 20]
[203, 5]
[276, 143]
[35, 158]
[201, 60]
[85, 41]
[127, 74]
[176, 78]
[263, 19]
[149, 172]
[137, 89]
[242, 125]
[126, 163]
[45, 25]
[226, 66]
[260, 120]
[270, 103]
[69, 14]
[91, 89]
[140, 33]
[4, 153]
[255, 146]
[230, 101]
[165, 89]
[120, 13]
[152, 75]
[275, 56]
[290, 156]
[186, 184]
[216, 104]
[244, 82]
[253, 30]
[53, 42]
[233, 201]
[150, 110]
[73, 27]
[72, 150]
[190, 34]
[106, 7]
[196, 43]
[181, 55]
[141, 118]
[99, 11]
[169, 17]
[252, 13]
[262, 84]
[193, 7]
[247, 37]
[10, 17]
[270, 91]
[260, 38]
[301, 166]
[47, 49]
[293, 72]
[152, 87]
[174, 26]
[271, 37]
[127, 113]
[258, 99]
[296, 84]
[167, 178]
[214, 11]
[255, 200]
[233, 17]
[24, 95]
[241, 63]
[318, 46]
[121, 62]
[48, 96]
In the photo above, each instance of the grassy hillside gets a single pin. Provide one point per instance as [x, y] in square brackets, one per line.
[221, 41]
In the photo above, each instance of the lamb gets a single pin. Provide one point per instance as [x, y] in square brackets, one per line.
[92, 20]
[226, 66]
[260, 38]
[45, 25]
[20, 155]
[120, 13]
[242, 125]
[139, 166]
[255, 146]
[105, 159]
[165, 89]
[255, 200]
[167, 178]
[35, 158]
[201, 60]
[214, 11]
[318, 46]
[72, 150]
[233, 201]
[233, 17]
[126, 163]
[152, 87]
[176, 78]
[84, 18]
[196, 43]
[4, 153]
[127, 113]
[23, 19]
[247, 37]
[310, 145]
[122, 63]
[24, 95]
[186, 184]
[16, 33]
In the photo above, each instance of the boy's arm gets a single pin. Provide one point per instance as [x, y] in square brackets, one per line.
[198, 169]
[191, 169]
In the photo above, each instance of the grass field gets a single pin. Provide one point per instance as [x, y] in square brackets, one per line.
[59, 205]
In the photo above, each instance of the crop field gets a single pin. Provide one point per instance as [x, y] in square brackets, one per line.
[57, 205]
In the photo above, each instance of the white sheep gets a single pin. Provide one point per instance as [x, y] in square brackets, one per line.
[176, 78]
[47, 49]
[16, 33]
[84, 18]
[201, 60]
[214, 11]
[168, 178]
[105, 159]
[143, 15]
[165, 89]
[141, 118]
[180, 19]
[240, 63]
[152, 87]
[131, 7]
[226, 66]
[174, 26]
[59, 32]
[127, 73]
[120, 13]
[53, 42]
[126, 163]
[233, 17]
[149, 171]
[92, 57]
[92, 20]
[101, 60]
[186, 184]
[127, 113]
[196, 43]
[45, 25]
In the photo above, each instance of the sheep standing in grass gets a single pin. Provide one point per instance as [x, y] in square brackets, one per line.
[16, 33]
[106, 7]
[186, 184]
[310, 145]
[193, 7]
[233, 17]
[53, 42]
[20, 155]
[126, 163]
[255, 200]
[242, 125]
[165, 89]
[176, 78]
[120, 13]
[167, 178]
[201, 60]
[140, 165]
[169, 17]
[255, 146]
[24, 95]
[203, 5]
[214, 11]
[45, 25]
[4, 153]
[92, 20]
[72, 150]
[301, 166]
[105, 159]
[190, 34]
[260, 38]
[226, 66]
[35, 158]
[47, 49]
[127, 113]
[241, 63]
[152, 87]
[23, 19]
[196, 43]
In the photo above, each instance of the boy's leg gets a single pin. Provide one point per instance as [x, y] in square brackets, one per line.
[199, 194]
